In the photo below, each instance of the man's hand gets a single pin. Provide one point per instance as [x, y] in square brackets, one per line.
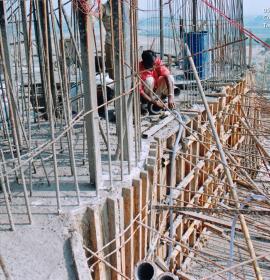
[159, 104]
[171, 103]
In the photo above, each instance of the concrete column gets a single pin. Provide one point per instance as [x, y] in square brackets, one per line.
[90, 98]
[122, 48]
[40, 50]
[25, 29]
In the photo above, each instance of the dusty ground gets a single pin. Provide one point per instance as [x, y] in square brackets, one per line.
[40, 251]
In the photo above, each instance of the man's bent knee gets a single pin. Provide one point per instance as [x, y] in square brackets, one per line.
[149, 84]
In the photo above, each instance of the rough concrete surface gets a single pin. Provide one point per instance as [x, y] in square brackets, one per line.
[39, 251]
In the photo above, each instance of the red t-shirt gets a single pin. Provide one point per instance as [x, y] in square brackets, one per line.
[157, 71]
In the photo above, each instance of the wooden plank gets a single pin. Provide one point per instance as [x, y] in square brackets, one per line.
[191, 255]
[113, 222]
[128, 195]
[200, 192]
[120, 202]
[190, 229]
[145, 205]
[149, 132]
[209, 219]
[151, 170]
[96, 240]
[137, 185]
[106, 236]
[184, 276]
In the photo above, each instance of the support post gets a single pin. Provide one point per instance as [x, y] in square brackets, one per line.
[127, 99]
[25, 30]
[123, 106]
[90, 98]
[194, 15]
[40, 50]
[161, 25]
[48, 49]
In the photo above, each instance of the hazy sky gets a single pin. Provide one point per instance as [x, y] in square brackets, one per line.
[251, 7]
[255, 7]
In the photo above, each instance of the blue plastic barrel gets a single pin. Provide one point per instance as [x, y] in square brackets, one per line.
[198, 45]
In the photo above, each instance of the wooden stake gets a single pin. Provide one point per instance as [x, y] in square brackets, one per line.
[145, 200]
[137, 185]
[96, 240]
[128, 194]
[113, 222]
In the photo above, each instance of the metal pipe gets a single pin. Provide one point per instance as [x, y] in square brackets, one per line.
[161, 23]
[194, 15]
[172, 176]
[167, 276]
[145, 270]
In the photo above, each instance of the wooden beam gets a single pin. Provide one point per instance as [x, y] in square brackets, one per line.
[137, 185]
[145, 200]
[96, 240]
[210, 219]
[113, 223]
[155, 128]
[128, 194]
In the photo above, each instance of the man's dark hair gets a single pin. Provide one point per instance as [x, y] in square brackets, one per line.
[148, 58]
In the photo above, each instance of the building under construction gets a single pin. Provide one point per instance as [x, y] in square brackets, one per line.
[90, 188]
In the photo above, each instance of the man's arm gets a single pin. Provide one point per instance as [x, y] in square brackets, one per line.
[169, 84]
[162, 70]
[151, 100]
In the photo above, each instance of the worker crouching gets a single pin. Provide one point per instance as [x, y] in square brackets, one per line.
[157, 84]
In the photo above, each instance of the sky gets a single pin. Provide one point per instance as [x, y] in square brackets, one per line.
[251, 7]
[255, 7]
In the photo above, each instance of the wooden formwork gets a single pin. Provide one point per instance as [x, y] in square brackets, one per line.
[126, 229]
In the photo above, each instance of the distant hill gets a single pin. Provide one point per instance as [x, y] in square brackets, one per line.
[150, 26]
[256, 25]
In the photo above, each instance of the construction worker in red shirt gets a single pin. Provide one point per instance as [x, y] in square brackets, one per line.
[156, 78]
